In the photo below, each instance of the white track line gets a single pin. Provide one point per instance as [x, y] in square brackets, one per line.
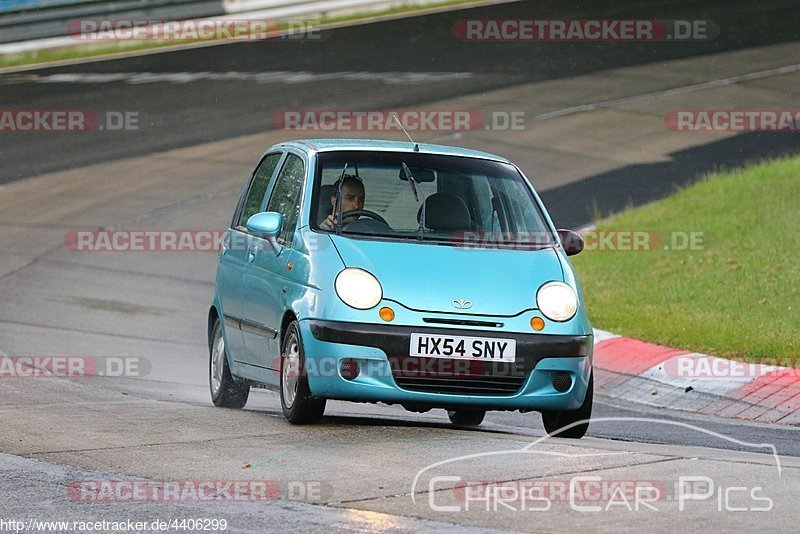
[789, 69]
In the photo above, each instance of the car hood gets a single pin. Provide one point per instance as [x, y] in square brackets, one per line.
[429, 277]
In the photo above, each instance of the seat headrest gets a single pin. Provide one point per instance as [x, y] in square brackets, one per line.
[445, 212]
[325, 208]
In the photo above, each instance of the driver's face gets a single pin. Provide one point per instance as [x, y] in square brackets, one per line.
[352, 199]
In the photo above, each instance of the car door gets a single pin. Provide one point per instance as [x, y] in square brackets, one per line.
[267, 273]
[233, 256]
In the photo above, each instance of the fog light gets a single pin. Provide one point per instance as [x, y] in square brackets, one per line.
[349, 369]
[537, 323]
[562, 381]
[387, 314]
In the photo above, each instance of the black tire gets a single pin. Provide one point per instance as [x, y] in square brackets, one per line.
[302, 407]
[555, 421]
[227, 391]
[466, 417]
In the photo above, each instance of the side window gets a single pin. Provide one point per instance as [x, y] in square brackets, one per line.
[286, 195]
[258, 188]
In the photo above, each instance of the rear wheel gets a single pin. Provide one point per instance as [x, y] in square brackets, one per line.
[298, 404]
[570, 423]
[227, 391]
[466, 417]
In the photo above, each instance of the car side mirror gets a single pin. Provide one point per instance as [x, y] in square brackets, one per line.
[571, 241]
[267, 225]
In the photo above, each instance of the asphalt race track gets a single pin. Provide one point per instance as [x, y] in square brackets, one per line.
[188, 113]
[183, 169]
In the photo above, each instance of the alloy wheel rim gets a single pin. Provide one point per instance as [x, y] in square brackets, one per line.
[290, 371]
[217, 363]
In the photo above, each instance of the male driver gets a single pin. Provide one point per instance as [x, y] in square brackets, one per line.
[352, 199]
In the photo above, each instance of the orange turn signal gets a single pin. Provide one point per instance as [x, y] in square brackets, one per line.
[387, 314]
[537, 323]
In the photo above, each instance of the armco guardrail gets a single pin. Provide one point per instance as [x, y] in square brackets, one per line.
[281, 9]
[50, 17]
[42, 24]
[7, 6]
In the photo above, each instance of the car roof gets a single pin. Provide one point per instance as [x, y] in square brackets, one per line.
[334, 145]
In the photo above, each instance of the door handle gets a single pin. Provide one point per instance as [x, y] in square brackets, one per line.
[226, 242]
[251, 256]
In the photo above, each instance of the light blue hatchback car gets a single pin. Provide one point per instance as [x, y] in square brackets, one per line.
[440, 283]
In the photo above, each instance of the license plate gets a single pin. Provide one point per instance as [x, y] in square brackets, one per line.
[463, 347]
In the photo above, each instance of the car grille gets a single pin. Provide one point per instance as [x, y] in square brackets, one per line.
[467, 378]
[462, 322]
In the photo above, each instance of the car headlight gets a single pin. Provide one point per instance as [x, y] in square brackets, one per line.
[358, 288]
[557, 301]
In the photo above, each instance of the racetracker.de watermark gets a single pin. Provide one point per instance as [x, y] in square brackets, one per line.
[440, 362]
[733, 120]
[192, 491]
[153, 240]
[427, 120]
[211, 29]
[711, 367]
[67, 120]
[583, 493]
[141, 491]
[599, 30]
[620, 240]
[73, 366]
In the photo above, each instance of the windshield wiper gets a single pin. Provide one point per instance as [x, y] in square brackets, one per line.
[411, 180]
[415, 189]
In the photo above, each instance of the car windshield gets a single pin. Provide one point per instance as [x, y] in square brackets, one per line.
[468, 201]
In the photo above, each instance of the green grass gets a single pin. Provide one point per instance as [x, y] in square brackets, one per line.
[101, 49]
[738, 297]
[75, 52]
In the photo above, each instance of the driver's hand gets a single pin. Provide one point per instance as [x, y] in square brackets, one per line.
[328, 223]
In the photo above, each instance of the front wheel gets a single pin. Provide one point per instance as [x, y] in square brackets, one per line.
[226, 390]
[298, 404]
[570, 423]
[466, 417]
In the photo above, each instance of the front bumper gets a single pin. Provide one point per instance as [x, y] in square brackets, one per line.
[388, 374]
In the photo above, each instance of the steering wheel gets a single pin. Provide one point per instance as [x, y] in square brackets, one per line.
[367, 213]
